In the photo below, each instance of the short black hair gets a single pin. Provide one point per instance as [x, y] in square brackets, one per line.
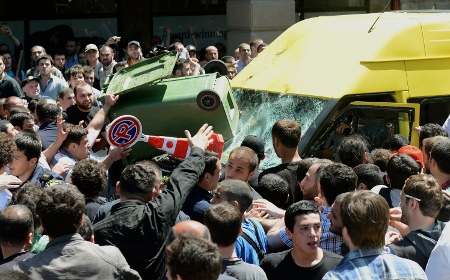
[335, 179]
[224, 222]
[18, 119]
[395, 142]
[29, 195]
[86, 229]
[7, 149]
[380, 158]
[275, 189]
[288, 132]
[211, 159]
[441, 154]
[138, 178]
[75, 135]
[60, 209]
[206, 264]
[238, 190]
[45, 56]
[90, 177]
[369, 174]
[430, 130]
[303, 167]
[302, 207]
[29, 143]
[399, 168]
[64, 91]
[47, 112]
[17, 224]
[352, 150]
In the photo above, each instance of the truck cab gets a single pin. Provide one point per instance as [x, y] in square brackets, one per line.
[379, 74]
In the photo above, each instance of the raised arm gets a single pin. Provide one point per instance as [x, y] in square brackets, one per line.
[193, 36]
[185, 176]
[51, 151]
[96, 124]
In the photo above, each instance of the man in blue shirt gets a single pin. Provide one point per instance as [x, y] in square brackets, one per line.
[239, 194]
[365, 217]
[25, 161]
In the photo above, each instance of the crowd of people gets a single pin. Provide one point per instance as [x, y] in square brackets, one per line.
[371, 214]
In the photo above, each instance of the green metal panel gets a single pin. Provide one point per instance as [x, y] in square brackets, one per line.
[141, 74]
[168, 107]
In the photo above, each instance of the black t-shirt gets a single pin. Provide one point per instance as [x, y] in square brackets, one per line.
[74, 115]
[282, 266]
[288, 171]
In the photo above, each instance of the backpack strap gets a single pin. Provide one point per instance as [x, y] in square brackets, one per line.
[255, 246]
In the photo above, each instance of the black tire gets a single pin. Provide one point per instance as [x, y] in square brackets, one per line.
[208, 100]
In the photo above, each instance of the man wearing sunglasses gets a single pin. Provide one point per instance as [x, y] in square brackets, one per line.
[421, 201]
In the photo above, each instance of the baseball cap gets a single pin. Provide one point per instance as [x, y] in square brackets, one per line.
[255, 143]
[191, 48]
[29, 79]
[413, 152]
[134, 42]
[91, 47]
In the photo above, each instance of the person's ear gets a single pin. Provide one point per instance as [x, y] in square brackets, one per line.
[29, 239]
[34, 161]
[250, 175]
[289, 233]
[235, 203]
[118, 188]
[82, 220]
[240, 232]
[388, 180]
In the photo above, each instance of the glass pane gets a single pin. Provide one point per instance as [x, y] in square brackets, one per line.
[379, 124]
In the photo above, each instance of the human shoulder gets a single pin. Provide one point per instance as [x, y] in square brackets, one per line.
[274, 259]
[330, 259]
[243, 270]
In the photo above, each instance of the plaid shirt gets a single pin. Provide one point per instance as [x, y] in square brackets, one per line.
[328, 240]
[375, 264]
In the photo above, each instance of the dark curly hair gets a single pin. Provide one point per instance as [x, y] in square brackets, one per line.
[29, 195]
[7, 150]
[90, 177]
[60, 209]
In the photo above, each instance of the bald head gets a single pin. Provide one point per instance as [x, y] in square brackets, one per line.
[188, 226]
[211, 53]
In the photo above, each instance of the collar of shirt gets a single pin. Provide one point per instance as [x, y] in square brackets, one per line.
[364, 253]
[445, 185]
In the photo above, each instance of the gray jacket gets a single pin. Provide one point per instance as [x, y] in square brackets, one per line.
[71, 257]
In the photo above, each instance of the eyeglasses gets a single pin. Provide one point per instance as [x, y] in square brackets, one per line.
[410, 196]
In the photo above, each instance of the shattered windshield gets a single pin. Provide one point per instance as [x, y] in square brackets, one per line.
[259, 110]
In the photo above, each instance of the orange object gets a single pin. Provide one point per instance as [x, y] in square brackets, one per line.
[179, 147]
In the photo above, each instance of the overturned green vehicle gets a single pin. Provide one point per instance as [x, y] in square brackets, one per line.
[167, 106]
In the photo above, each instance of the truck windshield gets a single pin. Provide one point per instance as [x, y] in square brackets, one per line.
[259, 110]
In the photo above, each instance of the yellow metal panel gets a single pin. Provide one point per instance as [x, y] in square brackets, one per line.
[336, 56]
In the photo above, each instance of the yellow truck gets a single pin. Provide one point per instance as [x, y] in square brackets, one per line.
[382, 76]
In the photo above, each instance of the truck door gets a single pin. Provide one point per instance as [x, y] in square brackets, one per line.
[379, 120]
[376, 121]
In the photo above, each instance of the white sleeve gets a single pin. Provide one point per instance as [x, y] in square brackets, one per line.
[438, 266]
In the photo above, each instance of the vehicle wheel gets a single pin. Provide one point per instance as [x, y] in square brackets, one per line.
[208, 100]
